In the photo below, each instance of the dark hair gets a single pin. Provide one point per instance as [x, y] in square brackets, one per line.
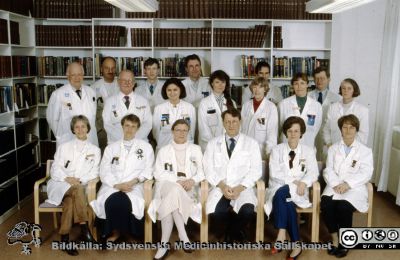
[191, 57]
[233, 112]
[322, 69]
[176, 82]
[353, 83]
[131, 118]
[221, 75]
[292, 120]
[180, 122]
[259, 81]
[298, 76]
[77, 118]
[151, 61]
[108, 58]
[349, 119]
[262, 64]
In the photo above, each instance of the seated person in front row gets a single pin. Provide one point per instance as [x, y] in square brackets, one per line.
[126, 164]
[75, 163]
[178, 171]
[348, 169]
[292, 168]
[232, 164]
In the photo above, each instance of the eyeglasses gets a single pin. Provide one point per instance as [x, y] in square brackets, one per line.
[180, 131]
[125, 81]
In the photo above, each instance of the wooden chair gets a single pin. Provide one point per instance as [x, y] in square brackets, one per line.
[370, 204]
[260, 211]
[315, 197]
[50, 208]
[148, 224]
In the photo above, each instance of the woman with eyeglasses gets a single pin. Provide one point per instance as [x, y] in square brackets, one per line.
[292, 168]
[178, 172]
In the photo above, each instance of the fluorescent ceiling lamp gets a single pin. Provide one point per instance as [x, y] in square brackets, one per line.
[333, 6]
[135, 5]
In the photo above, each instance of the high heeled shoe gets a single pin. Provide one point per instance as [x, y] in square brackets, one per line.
[294, 257]
[275, 250]
[163, 257]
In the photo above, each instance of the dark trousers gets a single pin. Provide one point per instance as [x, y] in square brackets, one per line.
[336, 213]
[235, 223]
[285, 215]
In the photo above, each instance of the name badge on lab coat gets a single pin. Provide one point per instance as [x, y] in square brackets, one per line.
[311, 120]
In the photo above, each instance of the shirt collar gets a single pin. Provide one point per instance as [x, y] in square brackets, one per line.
[227, 138]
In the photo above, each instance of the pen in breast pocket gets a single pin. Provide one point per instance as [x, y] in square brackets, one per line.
[67, 163]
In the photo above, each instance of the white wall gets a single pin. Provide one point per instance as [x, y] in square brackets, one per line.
[356, 52]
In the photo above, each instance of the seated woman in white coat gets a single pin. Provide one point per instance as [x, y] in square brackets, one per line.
[232, 164]
[75, 163]
[211, 108]
[349, 89]
[126, 164]
[260, 117]
[168, 112]
[178, 172]
[292, 168]
[302, 106]
[348, 169]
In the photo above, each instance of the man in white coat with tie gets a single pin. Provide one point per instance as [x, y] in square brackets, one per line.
[325, 97]
[232, 165]
[123, 103]
[70, 100]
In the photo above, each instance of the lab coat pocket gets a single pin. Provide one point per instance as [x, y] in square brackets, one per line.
[218, 159]
[260, 130]
[212, 119]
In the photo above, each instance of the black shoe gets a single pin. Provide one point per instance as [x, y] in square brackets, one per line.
[71, 252]
[332, 250]
[85, 234]
[341, 252]
[163, 257]
[294, 257]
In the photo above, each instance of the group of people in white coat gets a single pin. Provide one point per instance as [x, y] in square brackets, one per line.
[235, 146]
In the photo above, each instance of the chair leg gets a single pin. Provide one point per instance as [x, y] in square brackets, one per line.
[37, 221]
[204, 229]
[55, 220]
[148, 229]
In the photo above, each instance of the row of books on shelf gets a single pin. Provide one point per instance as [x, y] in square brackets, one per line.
[24, 96]
[109, 35]
[24, 66]
[190, 37]
[57, 65]
[5, 99]
[45, 91]
[83, 9]
[24, 7]
[248, 65]
[249, 9]
[286, 67]
[141, 37]
[242, 37]
[5, 67]
[278, 41]
[57, 35]
[47, 150]
[45, 132]
[3, 31]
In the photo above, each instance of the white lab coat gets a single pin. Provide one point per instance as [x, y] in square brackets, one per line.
[118, 166]
[105, 90]
[274, 94]
[210, 120]
[156, 98]
[115, 110]
[64, 103]
[163, 174]
[261, 125]
[288, 107]
[194, 94]
[305, 169]
[355, 169]
[243, 168]
[69, 161]
[331, 131]
[162, 128]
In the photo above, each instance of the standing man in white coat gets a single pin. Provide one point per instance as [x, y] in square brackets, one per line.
[126, 164]
[151, 88]
[232, 165]
[274, 95]
[123, 103]
[325, 97]
[72, 99]
[306, 108]
[348, 169]
[75, 163]
[105, 88]
[196, 86]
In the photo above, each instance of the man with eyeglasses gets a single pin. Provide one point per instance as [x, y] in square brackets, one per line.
[123, 103]
[70, 100]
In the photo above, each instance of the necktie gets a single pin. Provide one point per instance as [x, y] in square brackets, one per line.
[320, 97]
[232, 145]
[292, 154]
[78, 92]
[127, 102]
[151, 89]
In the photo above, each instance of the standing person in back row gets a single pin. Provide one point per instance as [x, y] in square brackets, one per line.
[70, 100]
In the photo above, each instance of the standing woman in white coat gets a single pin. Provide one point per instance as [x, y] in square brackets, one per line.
[348, 169]
[302, 106]
[168, 112]
[211, 108]
[293, 169]
[178, 172]
[126, 164]
[349, 89]
[75, 163]
[260, 117]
